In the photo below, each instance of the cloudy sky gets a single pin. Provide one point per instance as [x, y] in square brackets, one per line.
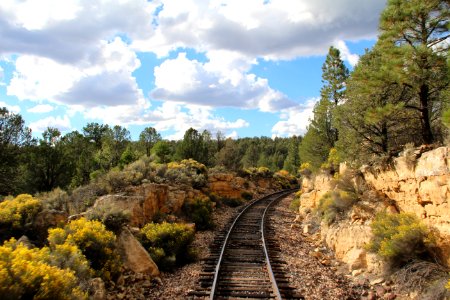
[246, 68]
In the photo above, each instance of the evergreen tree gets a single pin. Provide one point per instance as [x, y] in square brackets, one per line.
[292, 161]
[14, 139]
[414, 36]
[321, 135]
[148, 138]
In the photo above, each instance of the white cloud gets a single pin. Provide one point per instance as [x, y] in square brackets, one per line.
[294, 120]
[41, 108]
[105, 81]
[12, 108]
[171, 116]
[69, 31]
[217, 83]
[345, 53]
[278, 29]
[63, 124]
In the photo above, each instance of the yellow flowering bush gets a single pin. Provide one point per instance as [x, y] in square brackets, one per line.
[400, 237]
[28, 274]
[168, 244]
[94, 241]
[17, 214]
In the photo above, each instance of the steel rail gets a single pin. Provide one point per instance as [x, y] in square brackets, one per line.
[227, 238]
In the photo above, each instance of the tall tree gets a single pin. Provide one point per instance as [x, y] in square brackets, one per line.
[193, 146]
[14, 137]
[372, 122]
[292, 161]
[321, 135]
[414, 36]
[148, 138]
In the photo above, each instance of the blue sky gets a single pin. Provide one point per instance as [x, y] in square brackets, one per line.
[245, 68]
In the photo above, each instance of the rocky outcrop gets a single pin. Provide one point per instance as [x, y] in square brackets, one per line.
[418, 183]
[226, 185]
[134, 256]
[312, 189]
[420, 186]
[142, 202]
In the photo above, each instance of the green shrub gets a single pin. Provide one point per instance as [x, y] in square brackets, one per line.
[27, 274]
[113, 217]
[399, 238]
[295, 204]
[305, 169]
[94, 241]
[199, 211]
[334, 203]
[85, 196]
[168, 244]
[17, 215]
[56, 199]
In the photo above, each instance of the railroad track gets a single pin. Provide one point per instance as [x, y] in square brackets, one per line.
[244, 261]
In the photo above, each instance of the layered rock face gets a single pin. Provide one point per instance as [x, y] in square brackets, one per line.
[416, 185]
[421, 187]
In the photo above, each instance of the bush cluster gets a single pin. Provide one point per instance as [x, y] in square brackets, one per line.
[95, 242]
[334, 203]
[17, 215]
[295, 204]
[168, 244]
[305, 169]
[200, 211]
[258, 172]
[399, 238]
[31, 274]
[113, 217]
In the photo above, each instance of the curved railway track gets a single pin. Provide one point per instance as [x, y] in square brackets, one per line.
[244, 263]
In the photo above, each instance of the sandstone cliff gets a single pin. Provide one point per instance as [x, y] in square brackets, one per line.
[418, 183]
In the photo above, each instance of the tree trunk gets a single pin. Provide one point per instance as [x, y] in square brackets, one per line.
[427, 134]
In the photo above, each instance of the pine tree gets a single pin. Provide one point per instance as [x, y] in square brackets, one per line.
[414, 36]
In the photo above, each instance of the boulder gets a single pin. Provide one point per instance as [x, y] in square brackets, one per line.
[134, 256]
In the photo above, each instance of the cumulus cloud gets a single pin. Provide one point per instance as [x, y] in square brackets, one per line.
[12, 108]
[171, 116]
[295, 120]
[345, 53]
[62, 123]
[41, 108]
[69, 31]
[217, 83]
[106, 81]
[276, 29]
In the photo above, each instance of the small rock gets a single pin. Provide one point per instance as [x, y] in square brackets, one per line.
[380, 290]
[356, 272]
[307, 229]
[121, 280]
[325, 262]
[377, 281]
[371, 296]
[389, 296]
[97, 289]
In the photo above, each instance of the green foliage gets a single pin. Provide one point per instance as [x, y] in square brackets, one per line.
[94, 241]
[398, 238]
[334, 203]
[413, 37]
[168, 244]
[332, 163]
[200, 211]
[17, 215]
[113, 217]
[28, 274]
[14, 137]
[292, 161]
[305, 169]
[295, 203]
[56, 199]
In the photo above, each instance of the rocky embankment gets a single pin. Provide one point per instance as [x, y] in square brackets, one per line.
[418, 182]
